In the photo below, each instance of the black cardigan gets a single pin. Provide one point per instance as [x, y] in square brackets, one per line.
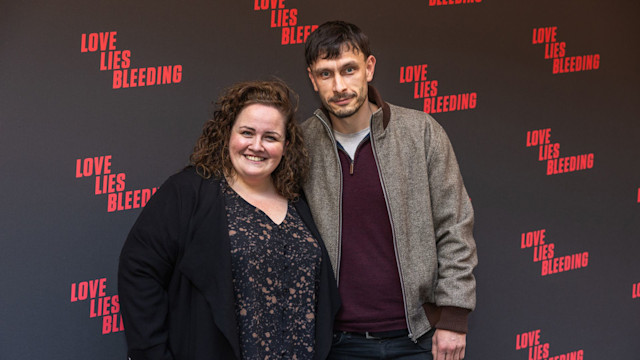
[174, 278]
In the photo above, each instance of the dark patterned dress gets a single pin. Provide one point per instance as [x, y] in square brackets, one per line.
[276, 272]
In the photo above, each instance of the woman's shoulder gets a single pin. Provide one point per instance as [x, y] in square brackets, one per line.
[189, 176]
[188, 185]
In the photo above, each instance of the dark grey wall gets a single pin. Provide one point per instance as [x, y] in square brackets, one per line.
[57, 107]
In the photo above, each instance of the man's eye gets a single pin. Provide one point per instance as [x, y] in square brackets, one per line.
[350, 70]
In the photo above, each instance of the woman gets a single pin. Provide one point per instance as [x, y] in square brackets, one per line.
[225, 262]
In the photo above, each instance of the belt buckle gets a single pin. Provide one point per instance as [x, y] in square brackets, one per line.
[370, 337]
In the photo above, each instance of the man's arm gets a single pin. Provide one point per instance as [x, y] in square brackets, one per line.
[453, 226]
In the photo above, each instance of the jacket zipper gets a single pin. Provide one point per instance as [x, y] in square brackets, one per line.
[386, 199]
[393, 232]
[352, 162]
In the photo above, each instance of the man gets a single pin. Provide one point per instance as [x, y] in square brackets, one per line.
[387, 195]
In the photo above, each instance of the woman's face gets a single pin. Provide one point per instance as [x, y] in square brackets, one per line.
[257, 143]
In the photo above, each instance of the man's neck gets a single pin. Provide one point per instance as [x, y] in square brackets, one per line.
[356, 122]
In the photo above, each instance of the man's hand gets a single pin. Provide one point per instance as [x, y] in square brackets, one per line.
[448, 345]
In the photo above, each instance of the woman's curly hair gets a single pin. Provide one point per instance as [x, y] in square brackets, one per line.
[211, 156]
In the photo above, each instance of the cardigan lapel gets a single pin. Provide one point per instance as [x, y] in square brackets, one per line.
[207, 259]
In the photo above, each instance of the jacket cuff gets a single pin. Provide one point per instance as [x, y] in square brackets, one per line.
[448, 317]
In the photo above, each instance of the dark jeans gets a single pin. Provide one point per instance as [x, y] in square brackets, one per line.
[348, 346]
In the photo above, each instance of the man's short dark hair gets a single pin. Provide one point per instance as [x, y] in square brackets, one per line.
[328, 40]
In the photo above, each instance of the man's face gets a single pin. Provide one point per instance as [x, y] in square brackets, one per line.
[342, 82]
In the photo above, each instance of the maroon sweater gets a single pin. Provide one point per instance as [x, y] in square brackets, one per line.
[369, 282]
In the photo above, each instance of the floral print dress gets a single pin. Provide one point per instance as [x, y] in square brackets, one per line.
[276, 269]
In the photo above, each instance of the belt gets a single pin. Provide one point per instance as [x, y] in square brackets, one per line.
[378, 335]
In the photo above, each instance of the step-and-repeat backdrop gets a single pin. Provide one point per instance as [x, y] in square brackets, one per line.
[100, 101]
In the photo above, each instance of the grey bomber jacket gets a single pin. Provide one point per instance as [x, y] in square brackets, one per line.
[429, 209]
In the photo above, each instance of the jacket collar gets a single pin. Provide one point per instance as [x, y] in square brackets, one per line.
[374, 97]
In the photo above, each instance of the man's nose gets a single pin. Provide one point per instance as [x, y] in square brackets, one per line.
[339, 84]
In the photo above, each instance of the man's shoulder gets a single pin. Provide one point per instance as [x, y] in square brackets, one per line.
[407, 114]
[311, 121]
[307, 123]
[411, 121]
[312, 126]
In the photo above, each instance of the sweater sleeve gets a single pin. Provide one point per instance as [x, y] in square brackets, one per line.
[146, 265]
[453, 225]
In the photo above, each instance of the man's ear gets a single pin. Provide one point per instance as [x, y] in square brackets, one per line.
[313, 79]
[370, 67]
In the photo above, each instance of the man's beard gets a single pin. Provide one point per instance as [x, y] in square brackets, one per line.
[342, 112]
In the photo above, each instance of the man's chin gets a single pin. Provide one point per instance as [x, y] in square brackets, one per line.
[341, 114]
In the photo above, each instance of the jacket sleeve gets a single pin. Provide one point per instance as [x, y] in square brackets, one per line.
[455, 292]
[146, 265]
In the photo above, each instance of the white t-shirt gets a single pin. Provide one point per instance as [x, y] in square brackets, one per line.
[350, 142]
